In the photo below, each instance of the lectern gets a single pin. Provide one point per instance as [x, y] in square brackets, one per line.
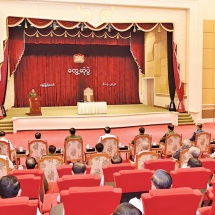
[35, 109]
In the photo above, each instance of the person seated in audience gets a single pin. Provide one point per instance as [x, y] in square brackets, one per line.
[186, 144]
[141, 132]
[161, 179]
[99, 147]
[169, 132]
[52, 150]
[195, 152]
[107, 131]
[126, 208]
[73, 134]
[37, 135]
[78, 168]
[199, 130]
[31, 163]
[194, 162]
[10, 188]
[10, 163]
[116, 159]
[2, 137]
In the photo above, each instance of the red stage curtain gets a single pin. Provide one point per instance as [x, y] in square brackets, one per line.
[14, 21]
[3, 76]
[16, 47]
[48, 36]
[113, 74]
[178, 84]
[137, 49]
[39, 23]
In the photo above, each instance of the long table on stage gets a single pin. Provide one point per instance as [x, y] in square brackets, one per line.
[92, 107]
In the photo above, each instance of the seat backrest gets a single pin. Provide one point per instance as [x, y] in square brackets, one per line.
[30, 185]
[202, 141]
[184, 157]
[49, 165]
[67, 170]
[83, 199]
[88, 95]
[138, 142]
[175, 201]
[97, 161]
[4, 167]
[35, 172]
[208, 163]
[80, 180]
[111, 145]
[110, 169]
[142, 157]
[172, 144]
[73, 150]
[166, 164]
[18, 205]
[5, 148]
[195, 178]
[37, 149]
[133, 180]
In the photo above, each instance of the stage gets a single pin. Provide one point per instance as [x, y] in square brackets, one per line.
[64, 117]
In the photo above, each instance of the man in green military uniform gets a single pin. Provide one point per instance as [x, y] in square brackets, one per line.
[32, 93]
[72, 132]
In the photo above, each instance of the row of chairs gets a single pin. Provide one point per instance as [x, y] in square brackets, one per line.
[123, 182]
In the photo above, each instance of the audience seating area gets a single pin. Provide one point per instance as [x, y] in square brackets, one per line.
[105, 185]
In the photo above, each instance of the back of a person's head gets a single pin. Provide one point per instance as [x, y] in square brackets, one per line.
[116, 159]
[78, 168]
[195, 151]
[161, 179]
[99, 147]
[145, 145]
[194, 162]
[142, 130]
[52, 149]
[171, 127]
[107, 130]
[126, 208]
[38, 135]
[186, 143]
[9, 186]
[2, 133]
[30, 163]
[72, 130]
[199, 125]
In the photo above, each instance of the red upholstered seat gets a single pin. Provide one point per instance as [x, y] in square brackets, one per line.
[166, 164]
[133, 182]
[110, 169]
[85, 180]
[195, 178]
[97, 200]
[18, 205]
[175, 201]
[67, 170]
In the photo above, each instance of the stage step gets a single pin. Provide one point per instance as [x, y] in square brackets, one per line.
[6, 125]
[185, 119]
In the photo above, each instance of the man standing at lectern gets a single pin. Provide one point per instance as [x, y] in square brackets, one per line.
[32, 93]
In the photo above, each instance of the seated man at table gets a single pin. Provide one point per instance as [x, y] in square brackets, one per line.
[107, 131]
[38, 136]
[2, 137]
[73, 134]
[141, 132]
[99, 147]
[199, 130]
[52, 150]
[10, 163]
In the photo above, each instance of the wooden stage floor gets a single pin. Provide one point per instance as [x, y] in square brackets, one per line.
[73, 111]
[55, 118]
